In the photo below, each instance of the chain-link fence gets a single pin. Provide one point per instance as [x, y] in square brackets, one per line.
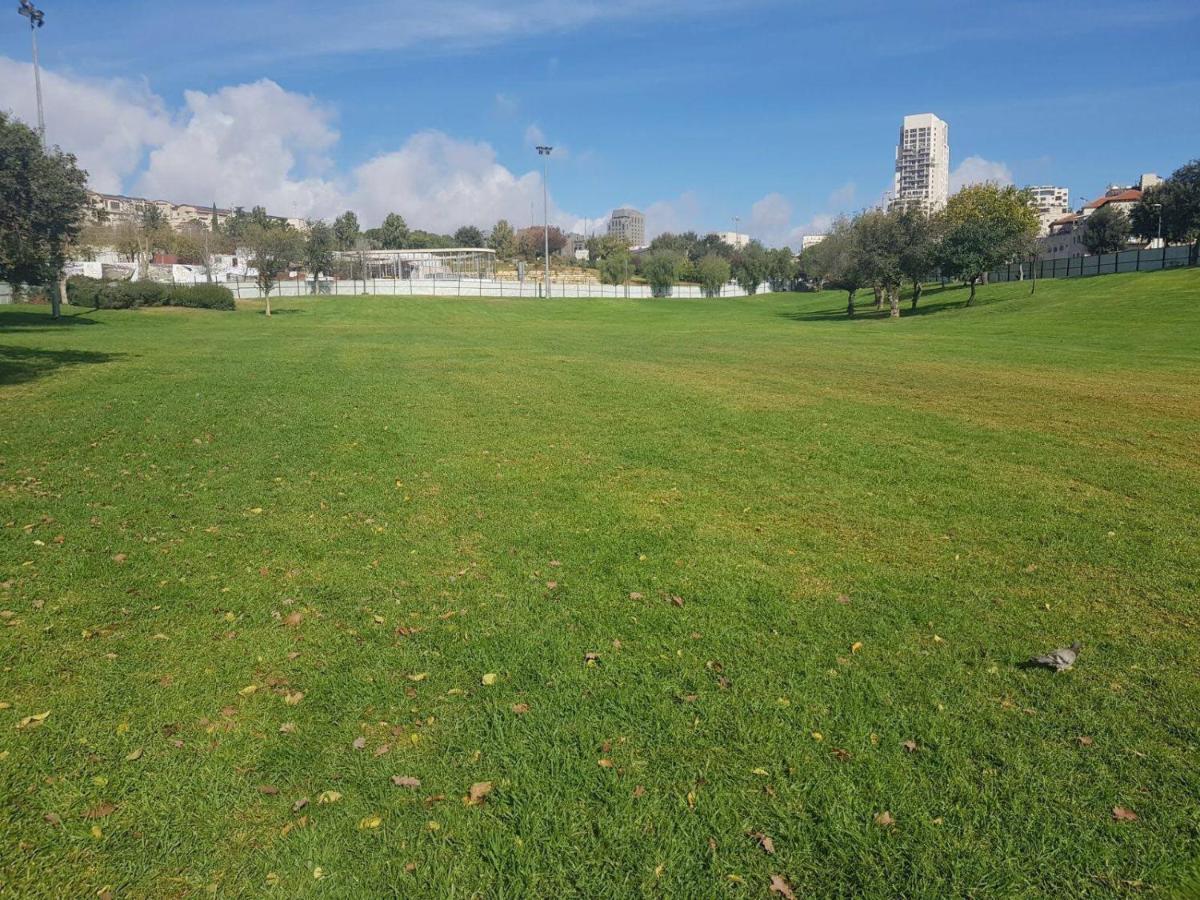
[471, 287]
[1177, 257]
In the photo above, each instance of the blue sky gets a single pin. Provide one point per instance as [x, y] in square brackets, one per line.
[694, 111]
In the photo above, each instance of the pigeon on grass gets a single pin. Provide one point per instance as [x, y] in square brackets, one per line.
[1059, 660]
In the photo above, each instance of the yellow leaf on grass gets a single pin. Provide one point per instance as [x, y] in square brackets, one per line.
[370, 822]
[856, 646]
[122, 727]
[328, 797]
[133, 755]
[489, 679]
[418, 676]
[293, 698]
[248, 690]
[33, 721]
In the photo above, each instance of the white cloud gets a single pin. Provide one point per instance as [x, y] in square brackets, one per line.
[977, 170]
[772, 217]
[534, 136]
[252, 144]
[106, 124]
[505, 105]
[680, 214]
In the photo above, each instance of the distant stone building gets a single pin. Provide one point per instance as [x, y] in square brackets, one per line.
[1065, 235]
[734, 239]
[1051, 203]
[629, 225]
[811, 240]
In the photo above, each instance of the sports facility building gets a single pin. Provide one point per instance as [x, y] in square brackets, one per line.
[457, 262]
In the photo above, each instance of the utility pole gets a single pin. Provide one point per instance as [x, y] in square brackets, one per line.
[1158, 206]
[37, 19]
[544, 152]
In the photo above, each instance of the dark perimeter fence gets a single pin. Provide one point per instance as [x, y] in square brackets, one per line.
[1177, 257]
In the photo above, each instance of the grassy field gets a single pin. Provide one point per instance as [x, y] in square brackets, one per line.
[677, 579]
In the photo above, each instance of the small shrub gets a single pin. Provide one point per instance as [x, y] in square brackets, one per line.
[201, 296]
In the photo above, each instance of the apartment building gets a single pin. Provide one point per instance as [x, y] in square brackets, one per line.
[922, 177]
[1051, 203]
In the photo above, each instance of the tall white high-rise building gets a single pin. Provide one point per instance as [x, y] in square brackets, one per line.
[922, 164]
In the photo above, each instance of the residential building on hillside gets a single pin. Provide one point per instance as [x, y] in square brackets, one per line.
[629, 225]
[811, 240]
[1051, 203]
[575, 248]
[1065, 235]
[734, 239]
[115, 209]
[922, 177]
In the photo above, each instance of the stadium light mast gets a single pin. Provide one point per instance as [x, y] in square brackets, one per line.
[544, 152]
[1158, 208]
[37, 19]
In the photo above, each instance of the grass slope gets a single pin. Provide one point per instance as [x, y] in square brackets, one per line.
[501, 480]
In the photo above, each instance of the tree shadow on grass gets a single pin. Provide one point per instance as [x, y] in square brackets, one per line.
[936, 299]
[21, 364]
[13, 319]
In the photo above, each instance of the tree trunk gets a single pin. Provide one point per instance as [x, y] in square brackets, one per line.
[893, 293]
[267, 296]
[1033, 267]
[58, 297]
[878, 296]
[971, 298]
[916, 292]
[850, 302]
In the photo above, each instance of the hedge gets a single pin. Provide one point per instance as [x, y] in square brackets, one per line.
[98, 294]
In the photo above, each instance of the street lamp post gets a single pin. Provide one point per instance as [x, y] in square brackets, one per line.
[544, 152]
[37, 19]
[1158, 206]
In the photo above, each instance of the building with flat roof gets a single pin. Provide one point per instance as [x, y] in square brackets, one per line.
[1051, 203]
[117, 209]
[810, 240]
[629, 225]
[734, 239]
[922, 177]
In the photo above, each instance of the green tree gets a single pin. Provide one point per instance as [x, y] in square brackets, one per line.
[1106, 230]
[881, 241]
[713, 272]
[530, 241]
[318, 250]
[969, 250]
[750, 267]
[273, 250]
[661, 270]
[603, 246]
[346, 231]
[616, 266]
[469, 236]
[782, 269]
[918, 250]
[1179, 197]
[393, 234]
[990, 225]
[42, 208]
[503, 240]
[837, 261]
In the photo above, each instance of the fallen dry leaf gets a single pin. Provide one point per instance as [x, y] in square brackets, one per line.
[326, 797]
[488, 679]
[370, 822]
[1084, 740]
[383, 750]
[294, 698]
[478, 793]
[856, 646]
[291, 620]
[520, 708]
[418, 676]
[99, 812]
[119, 557]
[299, 804]
[676, 600]
[764, 841]
[133, 755]
[781, 887]
[604, 763]
[269, 789]
[884, 819]
[1121, 814]
[910, 746]
[52, 819]
[406, 781]
[639, 791]
[840, 755]
[33, 721]
[287, 728]
[635, 595]
[358, 743]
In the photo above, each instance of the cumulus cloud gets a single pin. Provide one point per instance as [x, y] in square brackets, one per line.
[977, 170]
[107, 124]
[252, 144]
[772, 218]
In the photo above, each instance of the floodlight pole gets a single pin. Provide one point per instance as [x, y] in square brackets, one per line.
[544, 152]
[37, 19]
[1158, 206]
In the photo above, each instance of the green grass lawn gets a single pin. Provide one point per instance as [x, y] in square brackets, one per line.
[722, 558]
